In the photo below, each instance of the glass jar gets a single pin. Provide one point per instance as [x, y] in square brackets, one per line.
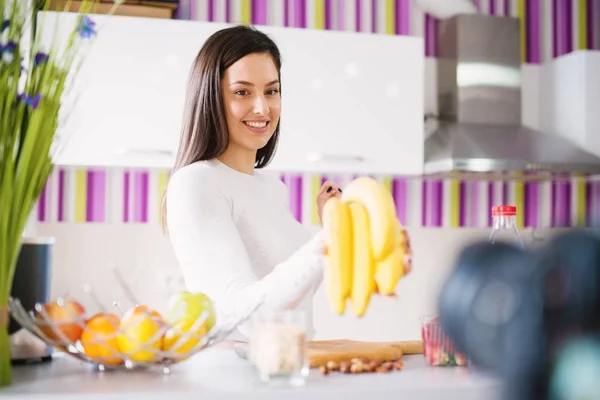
[504, 225]
[278, 346]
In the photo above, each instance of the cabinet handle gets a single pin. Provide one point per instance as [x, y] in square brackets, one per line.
[316, 157]
[128, 151]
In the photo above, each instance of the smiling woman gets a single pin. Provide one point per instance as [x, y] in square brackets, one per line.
[230, 226]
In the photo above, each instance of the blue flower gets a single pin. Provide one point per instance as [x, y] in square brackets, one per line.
[5, 25]
[40, 58]
[8, 52]
[85, 28]
[32, 101]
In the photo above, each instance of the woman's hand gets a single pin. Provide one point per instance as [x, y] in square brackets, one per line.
[328, 190]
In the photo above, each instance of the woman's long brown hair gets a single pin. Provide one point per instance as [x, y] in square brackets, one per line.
[204, 133]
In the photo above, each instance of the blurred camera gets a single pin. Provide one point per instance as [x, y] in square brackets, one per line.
[530, 316]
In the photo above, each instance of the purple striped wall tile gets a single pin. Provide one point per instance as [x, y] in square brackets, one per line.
[589, 196]
[595, 198]
[286, 12]
[532, 204]
[507, 9]
[126, 186]
[358, 16]
[294, 184]
[432, 202]
[555, 33]
[402, 17]
[561, 203]
[431, 27]
[504, 193]
[41, 205]
[493, 7]
[259, 12]
[96, 196]
[477, 4]
[193, 10]
[61, 195]
[595, 14]
[491, 193]
[568, 26]
[140, 196]
[329, 14]
[533, 29]
[341, 13]
[211, 10]
[462, 209]
[299, 13]
[562, 27]
[424, 202]
[227, 10]
[400, 195]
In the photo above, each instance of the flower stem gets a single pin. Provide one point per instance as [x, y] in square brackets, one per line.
[5, 365]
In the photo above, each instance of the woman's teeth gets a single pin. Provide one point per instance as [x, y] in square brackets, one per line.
[256, 124]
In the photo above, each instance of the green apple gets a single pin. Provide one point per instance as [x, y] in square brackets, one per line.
[189, 306]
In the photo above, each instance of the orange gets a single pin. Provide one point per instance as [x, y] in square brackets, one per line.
[99, 339]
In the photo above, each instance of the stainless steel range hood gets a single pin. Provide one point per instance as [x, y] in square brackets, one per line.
[479, 99]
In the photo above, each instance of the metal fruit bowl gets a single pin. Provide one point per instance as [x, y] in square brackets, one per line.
[164, 347]
[185, 344]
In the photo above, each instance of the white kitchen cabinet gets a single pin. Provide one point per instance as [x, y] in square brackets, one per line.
[570, 98]
[352, 102]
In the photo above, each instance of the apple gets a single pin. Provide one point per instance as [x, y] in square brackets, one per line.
[138, 337]
[66, 316]
[99, 339]
[189, 306]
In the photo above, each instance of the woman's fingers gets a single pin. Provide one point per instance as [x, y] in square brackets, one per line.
[330, 188]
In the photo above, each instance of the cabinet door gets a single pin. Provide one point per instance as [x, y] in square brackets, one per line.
[129, 94]
[352, 102]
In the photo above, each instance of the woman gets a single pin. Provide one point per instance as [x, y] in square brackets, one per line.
[229, 224]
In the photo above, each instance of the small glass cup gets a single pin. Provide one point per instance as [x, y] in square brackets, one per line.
[278, 346]
[438, 349]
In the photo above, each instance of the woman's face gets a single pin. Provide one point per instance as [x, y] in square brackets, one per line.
[252, 102]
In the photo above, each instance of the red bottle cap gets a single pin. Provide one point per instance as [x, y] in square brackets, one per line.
[504, 211]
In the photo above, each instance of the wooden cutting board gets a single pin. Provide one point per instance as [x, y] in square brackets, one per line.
[320, 352]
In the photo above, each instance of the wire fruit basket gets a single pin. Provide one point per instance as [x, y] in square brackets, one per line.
[137, 338]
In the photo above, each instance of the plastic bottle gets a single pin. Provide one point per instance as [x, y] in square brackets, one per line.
[504, 225]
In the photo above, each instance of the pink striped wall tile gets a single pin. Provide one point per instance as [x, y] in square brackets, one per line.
[400, 196]
[294, 184]
[96, 196]
[402, 17]
[259, 12]
[140, 196]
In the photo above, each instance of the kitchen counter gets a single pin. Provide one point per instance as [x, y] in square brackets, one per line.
[218, 373]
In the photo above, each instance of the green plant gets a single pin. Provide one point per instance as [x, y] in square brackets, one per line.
[34, 82]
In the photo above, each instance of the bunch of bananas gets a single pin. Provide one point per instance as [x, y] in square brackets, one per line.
[367, 250]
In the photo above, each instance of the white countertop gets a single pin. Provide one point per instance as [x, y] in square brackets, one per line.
[220, 374]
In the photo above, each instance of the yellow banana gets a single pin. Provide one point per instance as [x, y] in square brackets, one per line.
[381, 209]
[396, 265]
[363, 282]
[368, 249]
[337, 275]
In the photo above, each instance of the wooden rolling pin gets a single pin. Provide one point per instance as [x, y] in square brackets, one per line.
[323, 351]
